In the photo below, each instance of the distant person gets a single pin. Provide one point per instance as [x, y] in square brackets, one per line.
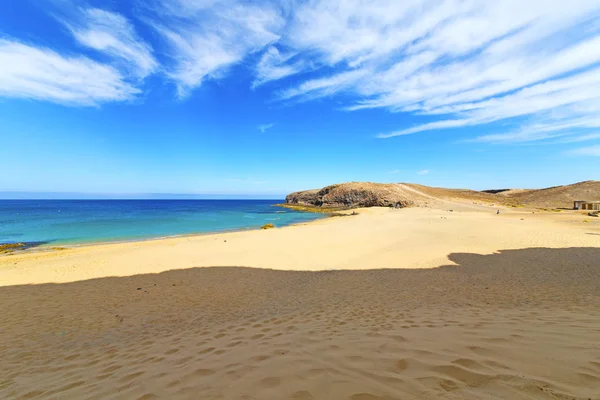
[498, 212]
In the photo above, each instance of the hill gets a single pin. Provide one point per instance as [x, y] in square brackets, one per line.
[554, 197]
[353, 194]
[369, 194]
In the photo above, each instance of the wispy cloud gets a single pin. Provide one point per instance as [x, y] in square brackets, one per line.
[464, 63]
[35, 72]
[38, 73]
[395, 171]
[593, 151]
[568, 125]
[265, 127]
[423, 172]
[114, 35]
[274, 66]
[534, 65]
[579, 138]
[206, 38]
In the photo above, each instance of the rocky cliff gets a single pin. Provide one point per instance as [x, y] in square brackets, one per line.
[352, 195]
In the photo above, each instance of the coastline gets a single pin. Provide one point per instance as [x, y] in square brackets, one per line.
[313, 209]
[449, 301]
[50, 247]
[410, 238]
[32, 247]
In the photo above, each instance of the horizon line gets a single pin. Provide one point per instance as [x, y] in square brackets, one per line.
[24, 195]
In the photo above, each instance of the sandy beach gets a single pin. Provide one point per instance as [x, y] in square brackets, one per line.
[299, 199]
[388, 304]
[420, 237]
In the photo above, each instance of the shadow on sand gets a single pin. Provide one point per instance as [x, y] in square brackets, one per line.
[509, 278]
[188, 333]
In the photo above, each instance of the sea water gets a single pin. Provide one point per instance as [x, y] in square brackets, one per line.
[86, 221]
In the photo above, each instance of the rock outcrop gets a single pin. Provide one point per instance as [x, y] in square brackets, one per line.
[352, 195]
[368, 194]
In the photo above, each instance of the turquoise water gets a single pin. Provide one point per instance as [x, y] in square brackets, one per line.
[85, 221]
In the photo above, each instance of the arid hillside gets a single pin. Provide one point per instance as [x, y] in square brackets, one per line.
[554, 197]
[452, 194]
[369, 194]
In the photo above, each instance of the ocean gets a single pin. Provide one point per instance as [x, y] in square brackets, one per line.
[55, 222]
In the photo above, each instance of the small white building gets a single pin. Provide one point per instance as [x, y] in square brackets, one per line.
[586, 205]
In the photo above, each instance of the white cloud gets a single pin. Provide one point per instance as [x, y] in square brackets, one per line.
[114, 35]
[423, 172]
[396, 171]
[265, 127]
[429, 126]
[533, 64]
[462, 63]
[206, 38]
[579, 138]
[325, 86]
[566, 122]
[34, 72]
[186, 7]
[593, 151]
[37, 73]
[568, 133]
[466, 63]
[272, 67]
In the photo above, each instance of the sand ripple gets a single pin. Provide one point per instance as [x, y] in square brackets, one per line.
[521, 324]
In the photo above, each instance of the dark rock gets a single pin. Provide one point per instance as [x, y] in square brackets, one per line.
[351, 195]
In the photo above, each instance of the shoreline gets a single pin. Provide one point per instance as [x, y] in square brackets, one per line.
[61, 246]
[58, 246]
[324, 216]
[453, 301]
[321, 214]
[410, 238]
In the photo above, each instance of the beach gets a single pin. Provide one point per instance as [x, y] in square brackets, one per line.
[299, 200]
[446, 301]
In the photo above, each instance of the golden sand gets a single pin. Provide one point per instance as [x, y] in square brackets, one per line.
[409, 304]
[376, 238]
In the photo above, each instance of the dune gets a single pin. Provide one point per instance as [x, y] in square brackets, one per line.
[445, 301]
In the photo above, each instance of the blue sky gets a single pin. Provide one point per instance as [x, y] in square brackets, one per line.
[261, 98]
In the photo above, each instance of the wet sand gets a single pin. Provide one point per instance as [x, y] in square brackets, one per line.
[489, 312]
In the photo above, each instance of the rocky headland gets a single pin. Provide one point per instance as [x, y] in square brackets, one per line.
[399, 195]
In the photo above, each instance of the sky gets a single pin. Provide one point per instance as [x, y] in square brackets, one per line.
[262, 98]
